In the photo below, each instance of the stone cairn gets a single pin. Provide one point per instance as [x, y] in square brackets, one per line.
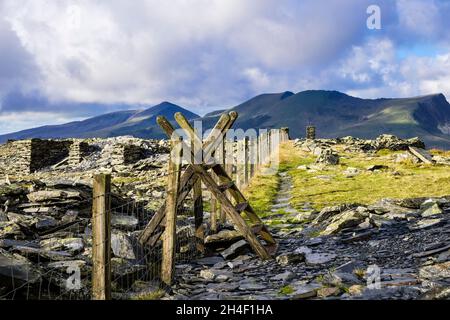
[311, 132]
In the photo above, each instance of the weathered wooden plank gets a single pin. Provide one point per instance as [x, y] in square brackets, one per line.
[169, 236]
[252, 146]
[422, 155]
[101, 237]
[239, 166]
[238, 197]
[245, 161]
[198, 202]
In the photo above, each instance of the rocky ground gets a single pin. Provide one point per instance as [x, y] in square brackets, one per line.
[392, 250]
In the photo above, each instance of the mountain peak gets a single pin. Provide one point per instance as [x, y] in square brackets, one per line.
[330, 94]
[286, 94]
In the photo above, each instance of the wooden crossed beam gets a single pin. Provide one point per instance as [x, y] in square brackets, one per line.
[200, 171]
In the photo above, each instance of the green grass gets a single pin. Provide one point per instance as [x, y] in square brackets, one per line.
[286, 290]
[261, 192]
[410, 180]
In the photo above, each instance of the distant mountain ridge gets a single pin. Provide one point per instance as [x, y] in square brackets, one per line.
[334, 114]
[138, 123]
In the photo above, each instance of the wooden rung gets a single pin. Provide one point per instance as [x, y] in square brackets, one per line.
[241, 206]
[226, 186]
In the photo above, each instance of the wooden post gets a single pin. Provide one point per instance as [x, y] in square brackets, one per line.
[239, 154]
[285, 133]
[259, 151]
[222, 161]
[264, 149]
[101, 237]
[252, 156]
[169, 237]
[245, 162]
[198, 202]
[229, 157]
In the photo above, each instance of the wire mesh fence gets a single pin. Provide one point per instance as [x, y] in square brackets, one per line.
[59, 265]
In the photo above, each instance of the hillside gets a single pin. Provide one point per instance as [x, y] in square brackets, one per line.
[138, 123]
[336, 114]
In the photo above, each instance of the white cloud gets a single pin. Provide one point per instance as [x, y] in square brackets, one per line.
[210, 54]
[376, 71]
[419, 16]
[10, 122]
[148, 51]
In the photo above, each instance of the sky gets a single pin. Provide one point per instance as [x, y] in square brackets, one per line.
[71, 59]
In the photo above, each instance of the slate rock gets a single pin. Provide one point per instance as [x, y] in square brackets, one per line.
[124, 222]
[431, 210]
[235, 250]
[70, 245]
[346, 219]
[16, 270]
[285, 276]
[304, 291]
[209, 261]
[121, 245]
[436, 272]
[9, 229]
[290, 258]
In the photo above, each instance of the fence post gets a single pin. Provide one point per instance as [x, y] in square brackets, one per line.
[245, 157]
[198, 203]
[269, 146]
[222, 161]
[252, 156]
[239, 158]
[229, 157]
[259, 150]
[169, 237]
[101, 237]
[285, 131]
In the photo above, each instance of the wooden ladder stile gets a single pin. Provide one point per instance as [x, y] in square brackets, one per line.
[253, 229]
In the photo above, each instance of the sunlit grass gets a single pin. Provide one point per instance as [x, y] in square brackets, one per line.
[261, 192]
[400, 180]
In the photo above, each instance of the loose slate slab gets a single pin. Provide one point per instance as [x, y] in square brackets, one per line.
[235, 250]
[224, 236]
[422, 155]
[124, 222]
[305, 291]
[15, 270]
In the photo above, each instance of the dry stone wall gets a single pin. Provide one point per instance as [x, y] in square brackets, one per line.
[27, 156]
